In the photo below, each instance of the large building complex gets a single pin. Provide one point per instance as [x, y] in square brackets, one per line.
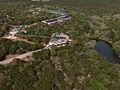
[58, 39]
[56, 20]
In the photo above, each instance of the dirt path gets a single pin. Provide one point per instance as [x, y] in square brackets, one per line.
[17, 39]
[22, 56]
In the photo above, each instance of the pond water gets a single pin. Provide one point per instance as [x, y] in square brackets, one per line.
[105, 49]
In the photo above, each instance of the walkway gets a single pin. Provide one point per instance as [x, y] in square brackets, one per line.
[22, 56]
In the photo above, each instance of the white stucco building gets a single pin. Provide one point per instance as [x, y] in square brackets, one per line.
[58, 39]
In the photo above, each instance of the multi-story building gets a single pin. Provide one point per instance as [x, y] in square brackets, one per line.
[56, 20]
[59, 39]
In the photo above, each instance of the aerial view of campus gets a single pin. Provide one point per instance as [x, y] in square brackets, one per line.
[59, 44]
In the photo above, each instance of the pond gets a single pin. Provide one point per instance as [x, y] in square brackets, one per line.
[105, 49]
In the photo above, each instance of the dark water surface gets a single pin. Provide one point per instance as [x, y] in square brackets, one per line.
[105, 49]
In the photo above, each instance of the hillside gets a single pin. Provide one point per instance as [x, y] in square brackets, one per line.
[89, 5]
[89, 61]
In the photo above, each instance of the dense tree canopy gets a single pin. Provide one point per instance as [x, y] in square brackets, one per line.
[75, 66]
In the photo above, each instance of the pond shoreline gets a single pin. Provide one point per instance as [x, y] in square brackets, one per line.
[109, 45]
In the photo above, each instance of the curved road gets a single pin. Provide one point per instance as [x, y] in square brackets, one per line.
[6, 61]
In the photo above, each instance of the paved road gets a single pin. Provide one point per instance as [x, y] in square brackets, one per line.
[20, 56]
